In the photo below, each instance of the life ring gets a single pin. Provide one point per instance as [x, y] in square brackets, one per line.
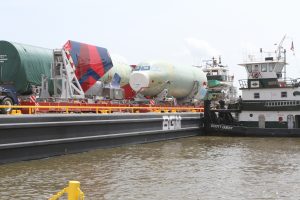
[255, 74]
[282, 84]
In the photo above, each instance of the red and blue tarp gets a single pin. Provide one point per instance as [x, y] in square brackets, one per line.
[91, 62]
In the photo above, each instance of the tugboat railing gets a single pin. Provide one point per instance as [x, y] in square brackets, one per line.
[287, 83]
[243, 83]
[290, 82]
[281, 103]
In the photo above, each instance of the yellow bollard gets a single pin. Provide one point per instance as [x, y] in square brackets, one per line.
[73, 190]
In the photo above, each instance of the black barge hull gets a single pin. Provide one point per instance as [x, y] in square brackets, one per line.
[40, 136]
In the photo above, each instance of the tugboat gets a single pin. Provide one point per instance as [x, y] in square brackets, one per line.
[269, 105]
[219, 82]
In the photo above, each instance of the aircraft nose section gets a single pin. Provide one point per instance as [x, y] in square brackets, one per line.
[139, 81]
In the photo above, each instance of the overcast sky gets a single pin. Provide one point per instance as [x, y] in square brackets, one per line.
[181, 32]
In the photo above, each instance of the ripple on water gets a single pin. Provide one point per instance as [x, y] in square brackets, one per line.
[190, 168]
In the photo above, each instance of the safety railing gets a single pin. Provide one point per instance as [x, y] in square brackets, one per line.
[243, 83]
[100, 109]
[281, 103]
[73, 191]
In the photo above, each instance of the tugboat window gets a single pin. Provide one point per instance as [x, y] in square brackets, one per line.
[283, 94]
[271, 67]
[256, 95]
[215, 72]
[264, 67]
[249, 68]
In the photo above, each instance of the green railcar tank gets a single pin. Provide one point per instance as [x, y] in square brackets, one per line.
[22, 65]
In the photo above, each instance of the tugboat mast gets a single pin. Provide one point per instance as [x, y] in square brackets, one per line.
[281, 50]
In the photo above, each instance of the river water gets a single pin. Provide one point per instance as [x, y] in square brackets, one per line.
[190, 168]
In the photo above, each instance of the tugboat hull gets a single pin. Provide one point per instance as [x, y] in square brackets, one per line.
[242, 131]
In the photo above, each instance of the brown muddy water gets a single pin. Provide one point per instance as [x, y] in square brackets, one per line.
[190, 168]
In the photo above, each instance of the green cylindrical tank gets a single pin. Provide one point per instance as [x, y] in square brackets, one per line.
[23, 65]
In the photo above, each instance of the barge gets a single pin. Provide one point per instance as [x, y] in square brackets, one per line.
[67, 96]
[26, 137]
